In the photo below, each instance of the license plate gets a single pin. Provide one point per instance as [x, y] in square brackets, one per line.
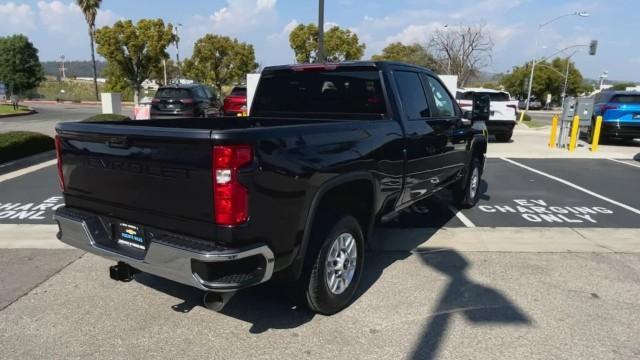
[131, 236]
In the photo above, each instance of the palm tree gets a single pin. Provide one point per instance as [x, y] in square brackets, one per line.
[90, 10]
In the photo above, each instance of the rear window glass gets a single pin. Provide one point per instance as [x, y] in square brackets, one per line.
[173, 93]
[494, 96]
[626, 99]
[239, 91]
[341, 91]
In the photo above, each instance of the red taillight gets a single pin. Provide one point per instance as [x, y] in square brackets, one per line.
[155, 101]
[230, 198]
[59, 157]
[187, 101]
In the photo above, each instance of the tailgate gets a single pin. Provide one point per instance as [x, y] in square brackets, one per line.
[164, 172]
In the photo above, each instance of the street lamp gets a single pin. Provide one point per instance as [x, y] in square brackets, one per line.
[320, 57]
[566, 75]
[604, 75]
[178, 52]
[533, 63]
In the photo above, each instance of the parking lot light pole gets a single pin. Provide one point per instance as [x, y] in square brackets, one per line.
[320, 56]
[566, 76]
[533, 63]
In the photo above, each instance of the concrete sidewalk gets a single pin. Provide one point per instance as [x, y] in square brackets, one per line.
[533, 143]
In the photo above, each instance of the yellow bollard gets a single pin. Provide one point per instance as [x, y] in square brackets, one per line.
[575, 128]
[521, 116]
[596, 134]
[554, 132]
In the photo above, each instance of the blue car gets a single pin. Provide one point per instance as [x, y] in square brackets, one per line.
[620, 111]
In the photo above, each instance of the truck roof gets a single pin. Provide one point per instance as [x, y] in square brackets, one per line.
[329, 65]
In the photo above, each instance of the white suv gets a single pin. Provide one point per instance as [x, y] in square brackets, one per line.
[503, 110]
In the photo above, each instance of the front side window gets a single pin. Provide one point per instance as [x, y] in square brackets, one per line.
[442, 100]
[414, 101]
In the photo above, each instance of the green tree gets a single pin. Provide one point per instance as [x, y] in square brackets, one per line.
[90, 10]
[412, 54]
[157, 73]
[135, 50]
[220, 60]
[20, 68]
[549, 78]
[116, 82]
[622, 86]
[339, 44]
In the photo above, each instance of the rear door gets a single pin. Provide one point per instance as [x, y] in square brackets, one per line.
[426, 142]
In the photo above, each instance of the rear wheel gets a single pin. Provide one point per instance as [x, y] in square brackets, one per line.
[335, 268]
[467, 191]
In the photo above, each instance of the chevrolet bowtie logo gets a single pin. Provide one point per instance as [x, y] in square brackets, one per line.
[130, 232]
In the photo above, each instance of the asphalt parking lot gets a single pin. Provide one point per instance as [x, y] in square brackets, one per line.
[546, 266]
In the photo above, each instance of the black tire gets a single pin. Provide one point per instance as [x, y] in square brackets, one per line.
[504, 137]
[466, 195]
[314, 285]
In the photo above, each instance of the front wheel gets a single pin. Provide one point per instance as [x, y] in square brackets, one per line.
[334, 277]
[467, 192]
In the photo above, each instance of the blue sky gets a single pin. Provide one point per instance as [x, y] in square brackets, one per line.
[57, 27]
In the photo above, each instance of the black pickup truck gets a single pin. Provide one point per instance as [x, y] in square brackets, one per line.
[294, 189]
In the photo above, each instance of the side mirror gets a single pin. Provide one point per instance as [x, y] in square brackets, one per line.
[481, 108]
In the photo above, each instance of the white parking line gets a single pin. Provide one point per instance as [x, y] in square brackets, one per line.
[30, 169]
[465, 220]
[624, 162]
[568, 183]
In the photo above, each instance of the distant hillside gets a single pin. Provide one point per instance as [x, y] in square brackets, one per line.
[73, 68]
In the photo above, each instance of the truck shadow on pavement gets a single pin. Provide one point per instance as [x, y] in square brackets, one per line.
[477, 303]
[268, 306]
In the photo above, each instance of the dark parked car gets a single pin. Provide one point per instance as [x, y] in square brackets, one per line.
[185, 100]
[620, 111]
[236, 102]
[533, 104]
[294, 190]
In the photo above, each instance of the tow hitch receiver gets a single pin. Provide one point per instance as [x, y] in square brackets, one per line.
[122, 272]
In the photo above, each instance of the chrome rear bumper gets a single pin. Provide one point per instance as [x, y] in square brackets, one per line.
[80, 230]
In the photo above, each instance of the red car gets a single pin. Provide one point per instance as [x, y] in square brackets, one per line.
[236, 102]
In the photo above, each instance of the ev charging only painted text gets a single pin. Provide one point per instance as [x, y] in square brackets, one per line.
[30, 211]
[538, 211]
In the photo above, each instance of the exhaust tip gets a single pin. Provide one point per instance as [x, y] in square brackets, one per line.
[216, 301]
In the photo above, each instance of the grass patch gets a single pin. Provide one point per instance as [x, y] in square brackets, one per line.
[535, 124]
[8, 110]
[526, 117]
[18, 144]
[107, 117]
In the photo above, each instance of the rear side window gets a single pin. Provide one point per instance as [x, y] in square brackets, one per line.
[414, 100]
[239, 91]
[468, 95]
[320, 92]
[201, 93]
[173, 93]
[626, 99]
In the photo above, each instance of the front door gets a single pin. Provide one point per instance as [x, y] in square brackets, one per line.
[425, 144]
[447, 118]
